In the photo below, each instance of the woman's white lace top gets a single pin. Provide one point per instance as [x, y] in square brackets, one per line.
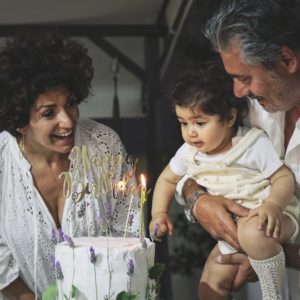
[93, 206]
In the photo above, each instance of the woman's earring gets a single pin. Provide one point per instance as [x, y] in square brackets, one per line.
[22, 146]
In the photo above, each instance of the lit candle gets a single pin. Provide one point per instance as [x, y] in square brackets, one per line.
[142, 202]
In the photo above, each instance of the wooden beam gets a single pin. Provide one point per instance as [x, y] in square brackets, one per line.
[171, 40]
[124, 60]
[151, 105]
[161, 19]
[92, 30]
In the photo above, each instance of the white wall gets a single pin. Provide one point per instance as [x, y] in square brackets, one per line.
[129, 87]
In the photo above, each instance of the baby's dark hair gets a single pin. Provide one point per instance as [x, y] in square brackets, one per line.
[34, 62]
[211, 91]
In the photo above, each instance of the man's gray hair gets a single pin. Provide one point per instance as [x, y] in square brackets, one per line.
[261, 27]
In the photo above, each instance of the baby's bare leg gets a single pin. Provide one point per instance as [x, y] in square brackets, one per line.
[216, 280]
[255, 242]
[266, 254]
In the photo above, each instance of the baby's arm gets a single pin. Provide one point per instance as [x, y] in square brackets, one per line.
[163, 193]
[270, 212]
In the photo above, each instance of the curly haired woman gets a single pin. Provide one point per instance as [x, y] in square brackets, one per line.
[43, 78]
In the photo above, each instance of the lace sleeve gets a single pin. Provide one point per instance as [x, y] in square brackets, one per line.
[9, 270]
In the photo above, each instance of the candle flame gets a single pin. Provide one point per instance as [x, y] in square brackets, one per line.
[121, 186]
[143, 180]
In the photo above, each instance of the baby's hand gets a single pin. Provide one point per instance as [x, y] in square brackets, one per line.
[164, 222]
[269, 215]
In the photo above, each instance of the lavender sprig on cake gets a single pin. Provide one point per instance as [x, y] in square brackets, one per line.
[58, 271]
[130, 267]
[93, 257]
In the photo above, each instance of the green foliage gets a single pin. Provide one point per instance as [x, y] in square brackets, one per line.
[192, 244]
[153, 290]
[73, 294]
[126, 296]
[74, 291]
[50, 293]
[156, 271]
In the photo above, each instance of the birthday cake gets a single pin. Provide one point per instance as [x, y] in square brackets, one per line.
[103, 267]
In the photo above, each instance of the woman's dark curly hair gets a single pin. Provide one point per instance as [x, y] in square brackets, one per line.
[34, 62]
[210, 90]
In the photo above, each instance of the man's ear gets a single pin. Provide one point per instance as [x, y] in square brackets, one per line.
[288, 59]
[232, 118]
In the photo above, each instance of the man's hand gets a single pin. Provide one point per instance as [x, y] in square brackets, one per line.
[215, 213]
[245, 272]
